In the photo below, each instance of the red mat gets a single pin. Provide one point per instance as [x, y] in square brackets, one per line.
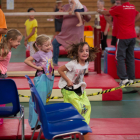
[9, 129]
[104, 129]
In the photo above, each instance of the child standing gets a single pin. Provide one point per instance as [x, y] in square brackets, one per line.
[104, 25]
[10, 40]
[30, 31]
[72, 83]
[43, 61]
[76, 6]
[58, 22]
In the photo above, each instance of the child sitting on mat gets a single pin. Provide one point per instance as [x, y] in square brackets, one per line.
[72, 83]
[76, 6]
[43, 64]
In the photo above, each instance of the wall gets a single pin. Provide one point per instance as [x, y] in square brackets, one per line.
[45, 26]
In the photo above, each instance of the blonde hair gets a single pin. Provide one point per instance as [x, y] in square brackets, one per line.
[40, 41]
[11, 34]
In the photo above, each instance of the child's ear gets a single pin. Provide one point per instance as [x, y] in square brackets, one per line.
[10, 40]
[39, 46]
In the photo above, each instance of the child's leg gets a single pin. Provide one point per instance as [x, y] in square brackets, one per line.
[79, 18]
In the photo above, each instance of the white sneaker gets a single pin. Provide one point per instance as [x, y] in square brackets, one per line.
[124, 82]
[131, 81]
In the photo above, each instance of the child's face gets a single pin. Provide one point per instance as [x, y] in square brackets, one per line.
[118, 2]
[59, 3]
[83, 53]
[32, 16]
[15, 43]
[99, 5]
[46, 47]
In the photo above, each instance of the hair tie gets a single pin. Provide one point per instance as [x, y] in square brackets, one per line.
[5, 35]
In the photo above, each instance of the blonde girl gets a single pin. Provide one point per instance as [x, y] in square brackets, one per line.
[72, 83]
[10, 40]
[43, 64]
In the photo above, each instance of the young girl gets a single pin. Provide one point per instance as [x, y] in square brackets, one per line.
[77, 7]
[10, 40]
[30, 31]
[43, 64]
[72, 83]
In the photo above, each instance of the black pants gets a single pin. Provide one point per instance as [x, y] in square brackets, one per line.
[103, 41]
[3, 76]
[125, 59]
[114, 41]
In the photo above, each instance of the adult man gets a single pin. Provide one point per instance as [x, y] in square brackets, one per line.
[3, 27]
[126, 15]
[70, 33]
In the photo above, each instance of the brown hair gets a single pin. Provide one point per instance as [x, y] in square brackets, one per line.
[11, 34]
[73, 51]
[40, 41]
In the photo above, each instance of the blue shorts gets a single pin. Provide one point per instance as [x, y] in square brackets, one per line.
[79, 10]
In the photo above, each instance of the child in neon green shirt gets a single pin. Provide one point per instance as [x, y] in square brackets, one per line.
[30, 31]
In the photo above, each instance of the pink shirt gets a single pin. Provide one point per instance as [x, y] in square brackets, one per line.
[4, 63]
[70, 33]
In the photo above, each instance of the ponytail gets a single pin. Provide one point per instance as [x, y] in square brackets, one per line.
[3, 47]
[35, 47]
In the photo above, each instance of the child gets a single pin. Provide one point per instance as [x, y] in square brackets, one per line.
[58, 22]
[104, 26]
[10, 40]
[77, 7]
[30, 31]
[43, 61]
[72, 83]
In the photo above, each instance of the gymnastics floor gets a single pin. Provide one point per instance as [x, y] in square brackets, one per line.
[102, 129]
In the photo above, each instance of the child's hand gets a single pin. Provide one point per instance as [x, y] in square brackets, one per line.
[39, 68]
[70, 12]
[69, 83]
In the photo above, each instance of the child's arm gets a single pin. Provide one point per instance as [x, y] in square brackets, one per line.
[106, 28]
[73, 7]
[32, 33]
[29, 61]
[63, 75]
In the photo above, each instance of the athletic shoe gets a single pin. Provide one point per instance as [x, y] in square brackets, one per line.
[124, 82]
[131, 81]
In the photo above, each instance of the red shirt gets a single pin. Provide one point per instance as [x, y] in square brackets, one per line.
[114, 24]
[125, 14]
[102, 22]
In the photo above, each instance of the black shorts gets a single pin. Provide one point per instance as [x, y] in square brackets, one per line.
[77, 91]
[3, 76]
[79, 10]
[114, 41]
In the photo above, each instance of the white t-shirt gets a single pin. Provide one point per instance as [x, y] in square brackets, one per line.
[75, 73]
[78, 4]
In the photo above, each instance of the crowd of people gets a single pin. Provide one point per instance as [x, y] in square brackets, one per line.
[121, 16]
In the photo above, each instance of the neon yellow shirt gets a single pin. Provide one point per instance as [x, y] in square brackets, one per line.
[29, 27]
